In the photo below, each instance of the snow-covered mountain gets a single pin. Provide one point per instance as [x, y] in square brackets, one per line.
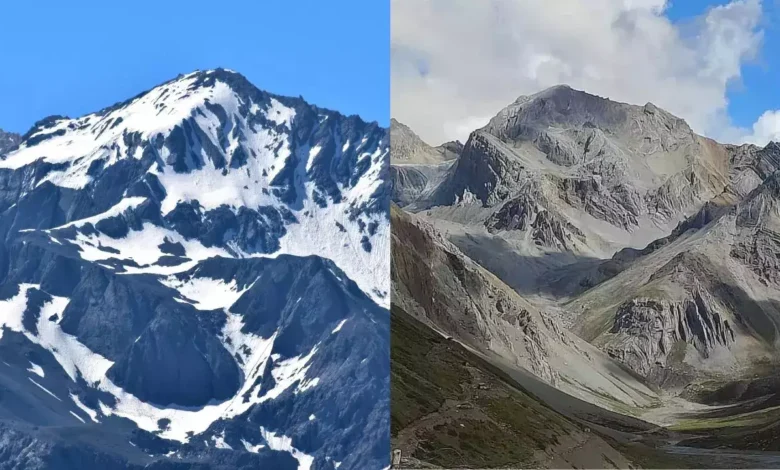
[197, 275]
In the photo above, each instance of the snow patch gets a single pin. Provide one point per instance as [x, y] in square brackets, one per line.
[206, 293]
[118, 209]
[250, 448]
[36, 369]
[89, 411]
[44, 388]
[219, 442]
[289, 372]
[312, 155]
[284, 444]
[78, 417]
[338, 327]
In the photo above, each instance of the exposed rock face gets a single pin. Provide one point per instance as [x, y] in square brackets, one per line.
[750, 165]
[648, 330]
[134, 275]
[708, 291]
[759, 219]
[409, 148]
[483, 170]
[8, 141]
[443, 288]
[528, 212]
[622, 175]
[410, 182]
[460, 299]
[416, 167]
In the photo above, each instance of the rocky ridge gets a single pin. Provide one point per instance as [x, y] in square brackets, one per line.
[434, 282]
[623, 213]
[187, 274]
[8, 140]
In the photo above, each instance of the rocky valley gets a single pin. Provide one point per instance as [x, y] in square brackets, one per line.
[608, 252]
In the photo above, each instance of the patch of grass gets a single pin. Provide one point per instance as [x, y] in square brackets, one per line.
[474, 444]
[643, 456]
[495, 424]
[755, 418]
[536, 425]
[424, 371]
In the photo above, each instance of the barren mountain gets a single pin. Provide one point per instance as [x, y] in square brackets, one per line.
[409, 148]
[565, 171]
[416, 167]
[435, 283]
[703, 305]
[616, 225]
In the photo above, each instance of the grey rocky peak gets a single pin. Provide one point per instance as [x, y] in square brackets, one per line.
[623, 175]
[408, 147]
[452, 148]
[8, 141]
[416, 167]
[615, 225]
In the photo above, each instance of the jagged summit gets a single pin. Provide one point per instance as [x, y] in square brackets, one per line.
[773, 146]
[8, 141]
[170, 103]
[197, 258]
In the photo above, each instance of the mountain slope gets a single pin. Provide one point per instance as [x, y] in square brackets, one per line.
[416, 167]
[446, 397]
[567, 172]
[200, 269]
[436, 284]
[684, 311]
[409, 148]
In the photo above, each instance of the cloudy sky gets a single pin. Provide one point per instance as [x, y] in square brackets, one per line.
[456, 63]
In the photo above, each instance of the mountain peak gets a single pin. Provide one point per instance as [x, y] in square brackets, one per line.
[408, 147]
[8, 141]
[211, 97]
[562, 106]
[772, 146]
[210, 141]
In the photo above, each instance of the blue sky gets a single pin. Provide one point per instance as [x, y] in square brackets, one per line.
[76, 57]
[759, 89]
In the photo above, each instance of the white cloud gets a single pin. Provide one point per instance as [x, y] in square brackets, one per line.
[456, 63]
[766, 128]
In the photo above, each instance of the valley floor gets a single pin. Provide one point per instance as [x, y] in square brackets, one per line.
[454, 408]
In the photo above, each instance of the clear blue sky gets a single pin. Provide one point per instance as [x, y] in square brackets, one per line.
[76, 57]
[760, 87]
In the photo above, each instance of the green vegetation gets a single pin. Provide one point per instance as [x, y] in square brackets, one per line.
[755, 418]
[424, 371]
[472, 443]
[461, 411]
